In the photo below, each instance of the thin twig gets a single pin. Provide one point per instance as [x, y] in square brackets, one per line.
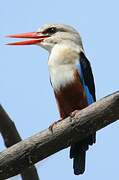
[11, 136]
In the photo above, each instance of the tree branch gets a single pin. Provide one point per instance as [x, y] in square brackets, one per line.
[11, 136]
[34, 149]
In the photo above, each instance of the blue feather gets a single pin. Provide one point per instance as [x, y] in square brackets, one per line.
[85, 87]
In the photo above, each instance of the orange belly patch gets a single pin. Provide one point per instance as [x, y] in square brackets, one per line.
[70, 98]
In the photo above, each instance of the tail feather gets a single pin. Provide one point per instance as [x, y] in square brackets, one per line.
[79, 163]
[78, 153]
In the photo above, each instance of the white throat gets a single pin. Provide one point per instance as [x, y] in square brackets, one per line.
[62, 63]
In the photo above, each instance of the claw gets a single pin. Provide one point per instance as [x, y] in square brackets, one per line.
[54, 124]
[72, 114]
[51, 126]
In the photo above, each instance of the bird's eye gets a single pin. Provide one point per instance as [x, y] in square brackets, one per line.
[51, 30]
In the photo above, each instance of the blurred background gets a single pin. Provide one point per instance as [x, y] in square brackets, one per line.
[25, 90]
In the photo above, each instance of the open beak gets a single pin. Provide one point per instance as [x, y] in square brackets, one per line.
[35, 37]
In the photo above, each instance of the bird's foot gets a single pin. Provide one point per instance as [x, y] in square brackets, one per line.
[54, 124]
[72, 114]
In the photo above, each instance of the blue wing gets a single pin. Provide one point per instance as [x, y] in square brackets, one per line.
[85, 72]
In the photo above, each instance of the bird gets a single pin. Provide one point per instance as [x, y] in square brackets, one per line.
[70, 75]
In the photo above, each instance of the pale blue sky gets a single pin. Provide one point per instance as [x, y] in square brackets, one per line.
[25, 91]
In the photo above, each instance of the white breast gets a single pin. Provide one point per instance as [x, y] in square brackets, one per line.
[61, 75]
[62, 64]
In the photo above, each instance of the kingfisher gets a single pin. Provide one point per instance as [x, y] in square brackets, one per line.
[70, 76]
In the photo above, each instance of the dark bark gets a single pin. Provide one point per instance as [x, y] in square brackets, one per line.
[34, 149]
[11, 136]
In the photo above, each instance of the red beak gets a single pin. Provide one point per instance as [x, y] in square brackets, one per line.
[35, 37]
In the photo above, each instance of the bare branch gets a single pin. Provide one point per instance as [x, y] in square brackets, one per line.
[34, 149]
[11, 136]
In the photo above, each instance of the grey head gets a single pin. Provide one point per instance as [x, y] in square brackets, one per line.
[58, 33]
